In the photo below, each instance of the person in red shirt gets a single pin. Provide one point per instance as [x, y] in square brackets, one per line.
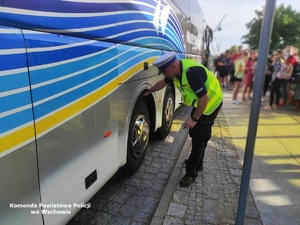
[248, 79]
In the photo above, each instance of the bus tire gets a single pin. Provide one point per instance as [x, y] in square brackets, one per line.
[138, 137]
[167, 114]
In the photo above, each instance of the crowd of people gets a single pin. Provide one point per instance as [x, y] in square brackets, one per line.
[236, 71]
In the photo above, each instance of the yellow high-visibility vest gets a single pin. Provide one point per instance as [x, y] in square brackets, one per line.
[212, 85]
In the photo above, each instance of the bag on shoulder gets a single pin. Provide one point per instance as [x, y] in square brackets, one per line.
[285, 72]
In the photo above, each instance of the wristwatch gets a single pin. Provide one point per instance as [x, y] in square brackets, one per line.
[194, 119]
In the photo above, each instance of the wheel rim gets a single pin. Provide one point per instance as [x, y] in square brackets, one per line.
[139, 136]
[169, 112]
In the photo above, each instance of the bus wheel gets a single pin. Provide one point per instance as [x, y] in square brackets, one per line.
[138, 137]
[167, 114]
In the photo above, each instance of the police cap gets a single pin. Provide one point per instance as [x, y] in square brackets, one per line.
[164, 61]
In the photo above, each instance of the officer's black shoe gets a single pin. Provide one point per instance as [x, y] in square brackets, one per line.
[199, 167]
[186, 181]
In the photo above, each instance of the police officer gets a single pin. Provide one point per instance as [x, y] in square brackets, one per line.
[200, 89]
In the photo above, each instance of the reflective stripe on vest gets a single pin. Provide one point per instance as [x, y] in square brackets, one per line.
[212, 85]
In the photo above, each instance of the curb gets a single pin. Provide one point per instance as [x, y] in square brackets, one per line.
[162, 209]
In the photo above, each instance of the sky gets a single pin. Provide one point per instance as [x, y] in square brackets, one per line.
[237, 14]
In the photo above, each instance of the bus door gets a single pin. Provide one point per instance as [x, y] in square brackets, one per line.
[74, 85]
[19, 188]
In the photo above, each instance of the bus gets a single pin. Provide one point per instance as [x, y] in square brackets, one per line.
[72, 111]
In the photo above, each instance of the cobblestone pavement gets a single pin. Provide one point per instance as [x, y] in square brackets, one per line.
[133, 200]
[213, 197]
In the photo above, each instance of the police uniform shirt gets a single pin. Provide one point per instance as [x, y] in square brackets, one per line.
[196, 77]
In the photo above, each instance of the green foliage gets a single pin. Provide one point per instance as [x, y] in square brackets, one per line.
[286, 29]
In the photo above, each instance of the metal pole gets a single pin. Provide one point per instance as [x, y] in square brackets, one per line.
[264, 43]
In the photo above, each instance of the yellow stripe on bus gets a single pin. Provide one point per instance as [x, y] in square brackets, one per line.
[43, 126]
[53, 120]
[16, 138]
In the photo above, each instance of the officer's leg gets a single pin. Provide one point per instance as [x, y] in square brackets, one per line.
[200, 135]
[199, 165]
[196, 152]
[205, 136]
[194, 157]
[206, 126]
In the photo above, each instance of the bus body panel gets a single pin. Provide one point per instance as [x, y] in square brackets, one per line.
[19, 189]
[75, 106]
[65, 165]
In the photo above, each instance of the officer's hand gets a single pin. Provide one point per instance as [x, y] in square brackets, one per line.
[189, 123]
[146, 93]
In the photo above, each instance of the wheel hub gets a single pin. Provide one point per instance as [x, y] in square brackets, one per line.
[139, 136]
[169, 112]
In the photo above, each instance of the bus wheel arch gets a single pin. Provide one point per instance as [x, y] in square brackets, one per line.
[167, 113]
[138, 137]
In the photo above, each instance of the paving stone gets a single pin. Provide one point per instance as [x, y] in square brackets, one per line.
[112, 207]
[181, 197]
[171, 221]
[101, 219]
[177, 210]
[119, 221]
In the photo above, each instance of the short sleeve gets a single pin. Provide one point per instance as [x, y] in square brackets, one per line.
[196, 77]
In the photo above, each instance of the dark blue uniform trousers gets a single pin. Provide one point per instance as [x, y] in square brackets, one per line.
[200, 134]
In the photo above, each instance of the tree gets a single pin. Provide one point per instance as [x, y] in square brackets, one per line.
[286, 29]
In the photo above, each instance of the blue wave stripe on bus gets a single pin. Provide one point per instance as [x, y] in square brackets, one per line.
[13, 82]
[15, 120]
[60, 86]
[138, 33]
[48, 107]
[173, 21]
[73, 7]
[137, 27]
[14, 101]
[67, 98]
[157, 42]
[9, 62]
[41, 41]
[174, 40]
[46, 57]
[95, 24]
[45, 23]
[11, 43]
[65, 23]
[132, 58]
[53, 72]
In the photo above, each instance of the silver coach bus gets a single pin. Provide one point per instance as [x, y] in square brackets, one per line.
[72, 77]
